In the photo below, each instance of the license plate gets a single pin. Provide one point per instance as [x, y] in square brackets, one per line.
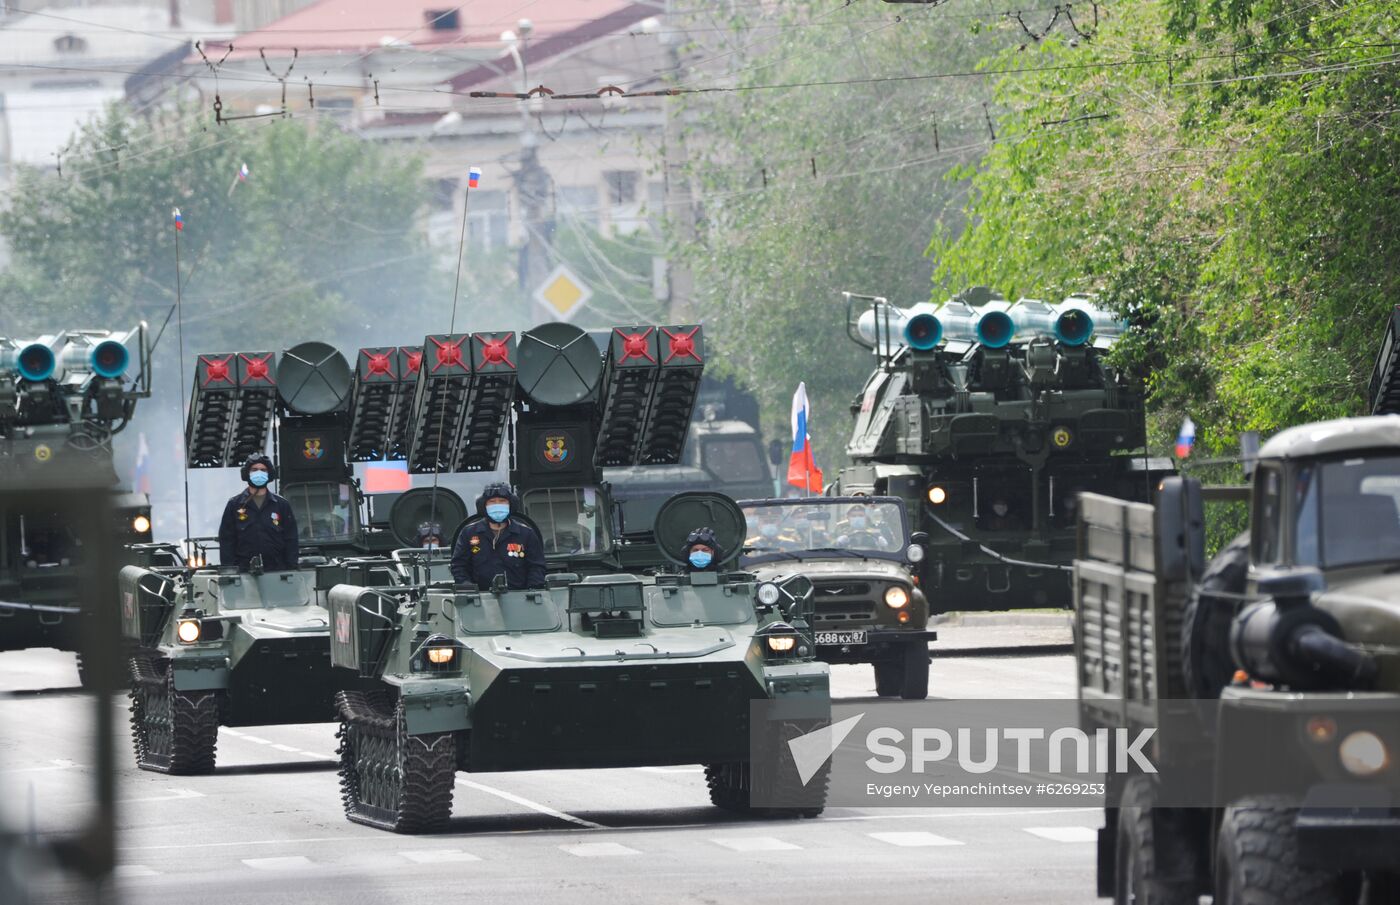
[840, 637]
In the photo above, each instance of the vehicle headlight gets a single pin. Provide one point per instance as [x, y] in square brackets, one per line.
[896, 597]
[781, 644]
[915, 553]
[937, 495]
[188, 631]
[141, 524]
[768, 594]
[1363, 754]
[440, 656]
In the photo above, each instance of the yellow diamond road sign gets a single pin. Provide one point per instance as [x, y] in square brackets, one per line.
[563, 293]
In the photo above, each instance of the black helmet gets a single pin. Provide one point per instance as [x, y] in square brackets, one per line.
[704, 536]
[497, 489]
[255, 459]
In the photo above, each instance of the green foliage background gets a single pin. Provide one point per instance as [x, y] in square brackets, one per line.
[1225, 173]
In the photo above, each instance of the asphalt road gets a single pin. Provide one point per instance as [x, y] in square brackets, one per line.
[267, 827]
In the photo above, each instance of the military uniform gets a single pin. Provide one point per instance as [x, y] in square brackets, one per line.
[249, 530]
[481, 554]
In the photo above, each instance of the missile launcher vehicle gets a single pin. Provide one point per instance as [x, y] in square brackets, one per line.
[62, 399]
[216, 646]
[989, 419]
[624, 658]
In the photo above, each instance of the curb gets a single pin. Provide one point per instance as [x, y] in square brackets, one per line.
[1012, 618]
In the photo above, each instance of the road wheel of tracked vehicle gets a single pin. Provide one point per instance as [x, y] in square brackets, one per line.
[731, 789]
[1138, 878]
[171, 731]
[388, 778]
[1256, 860]
[1206, 663]
[889, 677]
[913, 683]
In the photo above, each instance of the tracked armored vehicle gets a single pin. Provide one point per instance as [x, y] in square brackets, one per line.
[217, 646]
[623, 658]
[988, 419]
[62, 399]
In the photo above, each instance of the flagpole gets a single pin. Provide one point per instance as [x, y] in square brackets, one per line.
[180, 341]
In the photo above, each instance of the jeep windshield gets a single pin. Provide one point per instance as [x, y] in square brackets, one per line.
[1358, 518]
[816, 528]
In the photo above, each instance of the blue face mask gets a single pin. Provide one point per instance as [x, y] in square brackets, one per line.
[857, 521]
[700, 559]
[258, 478]
[498, 512]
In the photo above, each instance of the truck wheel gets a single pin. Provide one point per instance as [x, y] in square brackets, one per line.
[1206, 663]
[913, 684]
[888, 677]
[171, 731]
[390, 779]
[1137, 877]
[1256, 860]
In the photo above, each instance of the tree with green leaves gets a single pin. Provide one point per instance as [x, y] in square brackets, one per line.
[323, 240]
[809, 191]
[1225, 173]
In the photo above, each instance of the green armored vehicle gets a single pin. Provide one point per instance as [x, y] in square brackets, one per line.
[62, 399]
[988, 419]
[857, 552]
[623, 658]
[220, 646]
[1299, 758]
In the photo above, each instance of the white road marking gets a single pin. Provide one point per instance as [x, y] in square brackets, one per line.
[317, 756]
[255, 740]
[439, 856]
[673, 769]
[756, 844]
[914, 839]
[1064, 833]
[290, 862]
[56, 764]
[287, 748]
[127, 871]
[233, 732]
[172, 795]
[532, 805]
[959, 815]
[598, 849]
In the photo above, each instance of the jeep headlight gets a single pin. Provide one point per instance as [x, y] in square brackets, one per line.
[1363, 754]
[781, 644]
[188, 631]
[896, 597]
[768, 594]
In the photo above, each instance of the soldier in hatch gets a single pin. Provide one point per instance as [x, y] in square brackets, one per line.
[496, 544]
[258, 522]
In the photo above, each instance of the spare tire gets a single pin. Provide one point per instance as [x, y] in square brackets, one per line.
[1207, 665]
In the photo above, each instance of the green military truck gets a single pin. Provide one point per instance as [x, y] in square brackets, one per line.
[1286, 788]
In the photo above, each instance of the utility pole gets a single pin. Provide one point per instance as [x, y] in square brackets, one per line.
[679, 199]
[533, 186]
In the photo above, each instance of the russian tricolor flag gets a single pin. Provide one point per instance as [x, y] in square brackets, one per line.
[802, 469]
[473, 177]
[1186, 438]
[179, 220]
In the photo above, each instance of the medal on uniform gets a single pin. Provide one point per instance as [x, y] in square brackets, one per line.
[243, 515]
[277, 519]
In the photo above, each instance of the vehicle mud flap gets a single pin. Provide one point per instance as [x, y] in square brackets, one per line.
[390, 779]
[172, 730]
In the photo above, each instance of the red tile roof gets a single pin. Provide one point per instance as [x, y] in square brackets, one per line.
[362, 26]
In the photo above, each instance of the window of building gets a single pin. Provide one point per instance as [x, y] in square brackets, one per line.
[622, 186]
[488, 219]
[69, 44]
